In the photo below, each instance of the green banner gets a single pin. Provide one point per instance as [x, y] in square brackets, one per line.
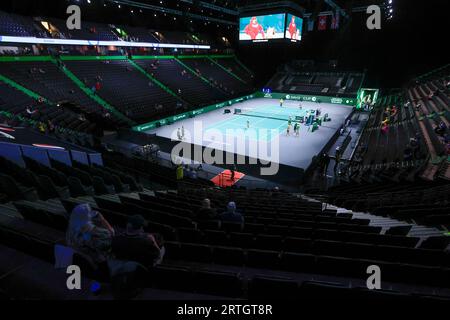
[25, 58]
[101, 58]
[191, 114]
[90, 58]
[296, 97]
[309, 98]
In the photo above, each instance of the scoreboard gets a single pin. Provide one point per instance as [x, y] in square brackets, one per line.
[271, 22]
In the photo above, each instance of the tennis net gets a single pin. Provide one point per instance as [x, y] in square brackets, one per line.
[283, 116]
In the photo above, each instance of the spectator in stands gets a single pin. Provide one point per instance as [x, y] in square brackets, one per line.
[31, 110]
[415, 146]
[408, 153]
[231, 214]
[233, 172]
[106, 114]
[137, 245]
[394, 112]
[441, 129]
[325, 163]
[180, 172]
[89, 233]
[42, 128]
[50, 126]
[337, 159]
[206, 212]
[193, 174]
[98, 86]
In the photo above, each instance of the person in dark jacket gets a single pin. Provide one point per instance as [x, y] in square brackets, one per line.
[206, 212]
[231, 214]
[137, 245]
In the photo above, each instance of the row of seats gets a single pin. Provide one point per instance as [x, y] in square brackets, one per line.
[293, 262]
[219, 77]
[16, 102]
[125, 87]
[47, 80]
[191, 88]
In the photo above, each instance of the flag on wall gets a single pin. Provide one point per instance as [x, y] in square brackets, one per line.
[322, 23]
[311, 25]
[335, 21]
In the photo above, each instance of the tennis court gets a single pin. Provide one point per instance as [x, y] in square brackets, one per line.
[268, 117]
[295, 151]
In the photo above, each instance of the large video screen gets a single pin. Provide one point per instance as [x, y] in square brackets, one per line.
[294, 28]
[262, 28]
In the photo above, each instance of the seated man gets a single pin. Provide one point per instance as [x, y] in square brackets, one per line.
[206, 212]
[137, 245]
[231, 215]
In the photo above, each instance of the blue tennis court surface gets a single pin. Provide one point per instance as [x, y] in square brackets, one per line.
[259, 118]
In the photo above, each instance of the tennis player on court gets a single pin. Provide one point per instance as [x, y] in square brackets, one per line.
[297, 129]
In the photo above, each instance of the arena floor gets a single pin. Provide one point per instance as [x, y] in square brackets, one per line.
[230, 132]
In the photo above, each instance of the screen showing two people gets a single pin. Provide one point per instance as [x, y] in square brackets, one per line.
[269, 27]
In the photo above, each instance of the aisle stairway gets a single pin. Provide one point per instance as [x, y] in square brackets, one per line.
[386, 223]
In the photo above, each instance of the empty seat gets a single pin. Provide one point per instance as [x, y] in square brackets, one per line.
[214, 237]
[170, 277]
[242, 240]
[298, 262]
[438, 243]
[195, 252]
[218, 283]
[263, 287]
[268, 242]
[189, 235]
[298, 245]
[228, 256]
[262, 258]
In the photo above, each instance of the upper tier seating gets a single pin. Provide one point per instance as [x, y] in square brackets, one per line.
[237, 69]
[19, 26]
[430, 99]
[88, 31]
[45, 79]
[219, 77]
[16, 102]
[308, 80]
[193, 89]
[139, 34]
[173, 37]
[126, 88]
